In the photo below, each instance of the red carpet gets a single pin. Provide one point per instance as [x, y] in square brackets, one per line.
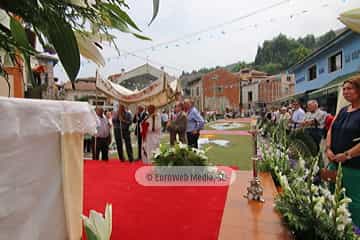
[169, 213]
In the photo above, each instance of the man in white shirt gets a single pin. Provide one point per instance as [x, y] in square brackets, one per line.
[298, 115]
[314, 121]
[102, 136]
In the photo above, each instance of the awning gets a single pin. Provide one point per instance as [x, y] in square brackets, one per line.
[325, 91]
[351, 19]
[291, 97]
[159, 93]
[332, 86]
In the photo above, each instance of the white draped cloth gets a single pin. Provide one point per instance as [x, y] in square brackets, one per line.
[152, 140]
[41, 168]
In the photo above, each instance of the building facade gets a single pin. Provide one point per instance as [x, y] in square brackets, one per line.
[43, 71]
[197, 93]
[85, 91]
[276, 87]
[140, 77]
[320, 74]
[221, 90]
[249, 84]
[13, 84]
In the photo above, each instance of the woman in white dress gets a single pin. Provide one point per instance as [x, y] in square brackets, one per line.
[151, 129]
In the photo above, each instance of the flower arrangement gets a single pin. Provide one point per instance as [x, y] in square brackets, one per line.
[179, 155]
[312, 211]
[308, 207]
[96, 226]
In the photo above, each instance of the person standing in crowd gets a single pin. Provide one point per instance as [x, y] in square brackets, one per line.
[178, 125]
[87, 143]
[194, 123]
[343, 145]
[122, 120]
[275, 115]
[298, 115]
[284, 115]
[314, 122]
[150, 130]
[164, 120]
[139, 117]
[228, 114]
[102, 136]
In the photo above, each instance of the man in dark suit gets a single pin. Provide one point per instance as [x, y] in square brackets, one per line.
[139, 117]
[178, 125]
[122, 120]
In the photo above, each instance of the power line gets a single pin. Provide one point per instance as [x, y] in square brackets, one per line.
[186, 36]
[151, 61]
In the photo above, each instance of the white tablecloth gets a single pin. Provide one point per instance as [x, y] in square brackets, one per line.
[41, 168]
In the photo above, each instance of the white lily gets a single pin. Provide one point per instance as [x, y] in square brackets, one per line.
[88, 49]
[4, 19]
[82, 3]
[99, 226]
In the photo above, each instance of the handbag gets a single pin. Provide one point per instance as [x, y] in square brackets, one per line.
[328, 175]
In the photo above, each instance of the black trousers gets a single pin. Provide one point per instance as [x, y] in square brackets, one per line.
[316, 134]
[119, 137]
[139, 142]
[87, 145]
[102, 145]
[192, 139]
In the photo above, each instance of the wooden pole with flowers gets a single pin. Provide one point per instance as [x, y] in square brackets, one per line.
[255, 190]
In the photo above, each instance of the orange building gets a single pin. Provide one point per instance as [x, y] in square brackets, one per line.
[221, 90]
[15, 81]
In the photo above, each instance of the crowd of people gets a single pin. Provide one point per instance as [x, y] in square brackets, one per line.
[183, 123]
[314, 120]
[341, 134]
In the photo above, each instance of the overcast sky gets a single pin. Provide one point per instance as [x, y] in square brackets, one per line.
[220, 46]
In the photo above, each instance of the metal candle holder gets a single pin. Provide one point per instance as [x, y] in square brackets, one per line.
[255, 190]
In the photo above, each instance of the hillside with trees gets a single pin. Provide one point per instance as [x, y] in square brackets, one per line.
[274, 56]
[281, 52]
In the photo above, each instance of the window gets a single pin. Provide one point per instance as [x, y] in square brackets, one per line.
[197, 91]
[219, 90]
[335, 62]
[250, 97]
[312, 73]
[288, 78]
[215, 77]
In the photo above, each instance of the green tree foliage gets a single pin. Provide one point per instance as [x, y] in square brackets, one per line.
[322, 40]
[240, 65]
[56, 22]
[298, 54]
[281, 52]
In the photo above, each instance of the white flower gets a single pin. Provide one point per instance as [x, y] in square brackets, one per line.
[157, 153]
[183, 146]
[284, 181]
[82, 3]
[301, 163]
[340, 227]
[101, 227]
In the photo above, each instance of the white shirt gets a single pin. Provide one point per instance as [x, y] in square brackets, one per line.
[298, 117]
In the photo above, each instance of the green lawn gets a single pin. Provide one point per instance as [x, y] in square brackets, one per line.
[238, 153]
[246, 127]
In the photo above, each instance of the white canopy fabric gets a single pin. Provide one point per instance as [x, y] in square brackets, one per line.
[159, 93]
[351, 19]
[41, 168]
